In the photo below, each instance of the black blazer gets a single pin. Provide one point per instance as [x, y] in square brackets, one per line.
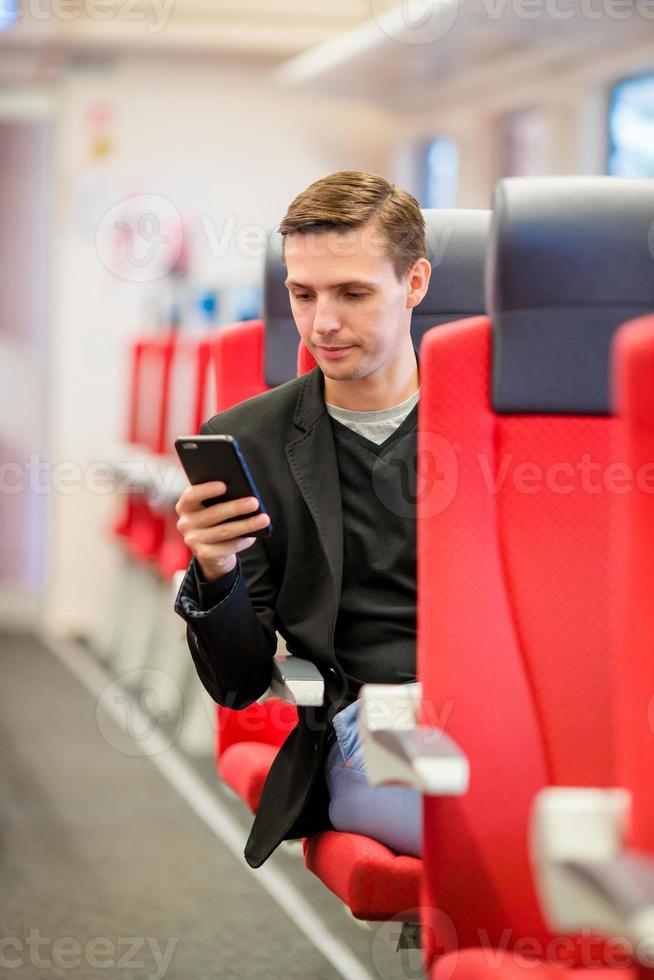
[290, 583]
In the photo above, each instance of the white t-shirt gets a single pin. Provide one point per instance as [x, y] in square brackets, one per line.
[375, 426]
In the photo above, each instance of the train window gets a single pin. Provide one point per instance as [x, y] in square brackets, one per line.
[631, 127]
[248, 302]
[441, 174]
[522, 144]
[8, 14]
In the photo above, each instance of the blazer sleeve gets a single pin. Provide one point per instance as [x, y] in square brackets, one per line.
[233, 642]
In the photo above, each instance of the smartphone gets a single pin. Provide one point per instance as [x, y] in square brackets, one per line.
[207, 459]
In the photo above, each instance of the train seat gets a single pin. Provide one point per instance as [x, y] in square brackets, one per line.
[373, 881]
[247, 742]
[516, 570]
[138, 526]
[244, 767]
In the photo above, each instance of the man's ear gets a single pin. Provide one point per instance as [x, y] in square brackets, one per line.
[419, 276]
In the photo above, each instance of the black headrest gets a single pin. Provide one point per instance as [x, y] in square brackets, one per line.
[280, 358]
[456, 245]
[569, 260]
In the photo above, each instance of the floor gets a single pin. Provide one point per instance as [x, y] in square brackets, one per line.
[107, 871]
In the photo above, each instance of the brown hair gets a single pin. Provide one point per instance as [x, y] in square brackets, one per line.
[351, 198]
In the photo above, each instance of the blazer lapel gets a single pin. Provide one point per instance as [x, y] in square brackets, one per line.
[312, 458]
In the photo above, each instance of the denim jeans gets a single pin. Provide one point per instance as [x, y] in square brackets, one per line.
[390, 814]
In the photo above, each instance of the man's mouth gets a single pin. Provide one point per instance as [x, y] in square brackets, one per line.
[334, 351]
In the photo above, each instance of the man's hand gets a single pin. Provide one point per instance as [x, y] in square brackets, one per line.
[214, 542]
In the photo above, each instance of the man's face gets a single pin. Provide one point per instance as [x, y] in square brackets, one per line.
[352, 312]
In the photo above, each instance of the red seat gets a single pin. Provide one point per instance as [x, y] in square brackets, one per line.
[138, 526]
[146, 531]
[190, 401]
[247, 742]
[516, 588]
[514, 606]
[374, 882]
[305, 361]
[244, 767]
[268, 722]
[238, 359]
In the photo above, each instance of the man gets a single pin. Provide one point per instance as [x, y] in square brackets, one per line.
[333, 456]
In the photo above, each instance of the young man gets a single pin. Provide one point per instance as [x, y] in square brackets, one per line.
[333, 456]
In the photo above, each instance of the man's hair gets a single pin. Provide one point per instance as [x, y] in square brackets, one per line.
[351, 198]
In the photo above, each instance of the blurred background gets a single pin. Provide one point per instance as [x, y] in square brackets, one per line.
[146, 146]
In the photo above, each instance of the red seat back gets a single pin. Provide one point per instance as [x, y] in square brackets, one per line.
[514, 617]
[305, 360]
[151, 391]
[238, 359]
[269, 722]
[516, 550]
[150, 374]
[190, 401]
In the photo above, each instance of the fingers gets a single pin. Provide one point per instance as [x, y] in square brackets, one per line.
[217, 513]
[191, 498]
[230, 530]
[200, 518]
[215, 533]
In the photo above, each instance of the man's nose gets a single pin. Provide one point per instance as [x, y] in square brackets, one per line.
[325, 320]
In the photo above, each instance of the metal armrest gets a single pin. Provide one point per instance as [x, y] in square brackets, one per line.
[164, 483]
[296, 681]
[131, 461]
[159, 478]
[398, 750]
[584, 876]
[625, 886]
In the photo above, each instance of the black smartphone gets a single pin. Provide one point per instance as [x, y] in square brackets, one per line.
[207, 459]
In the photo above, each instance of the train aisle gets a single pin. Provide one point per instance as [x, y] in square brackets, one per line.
[107, 871]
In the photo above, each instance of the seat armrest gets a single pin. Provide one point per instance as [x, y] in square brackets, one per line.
[164, 483]
[131, 462]
[585, 877]
[625, 886]
[296, 681]
[399, 751]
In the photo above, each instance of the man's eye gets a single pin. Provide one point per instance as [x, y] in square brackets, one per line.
[356, 295]
[301, 296]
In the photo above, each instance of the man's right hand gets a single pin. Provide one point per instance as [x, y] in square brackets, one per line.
[214, 542]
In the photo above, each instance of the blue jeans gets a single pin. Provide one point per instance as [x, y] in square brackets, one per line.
[390, 814]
